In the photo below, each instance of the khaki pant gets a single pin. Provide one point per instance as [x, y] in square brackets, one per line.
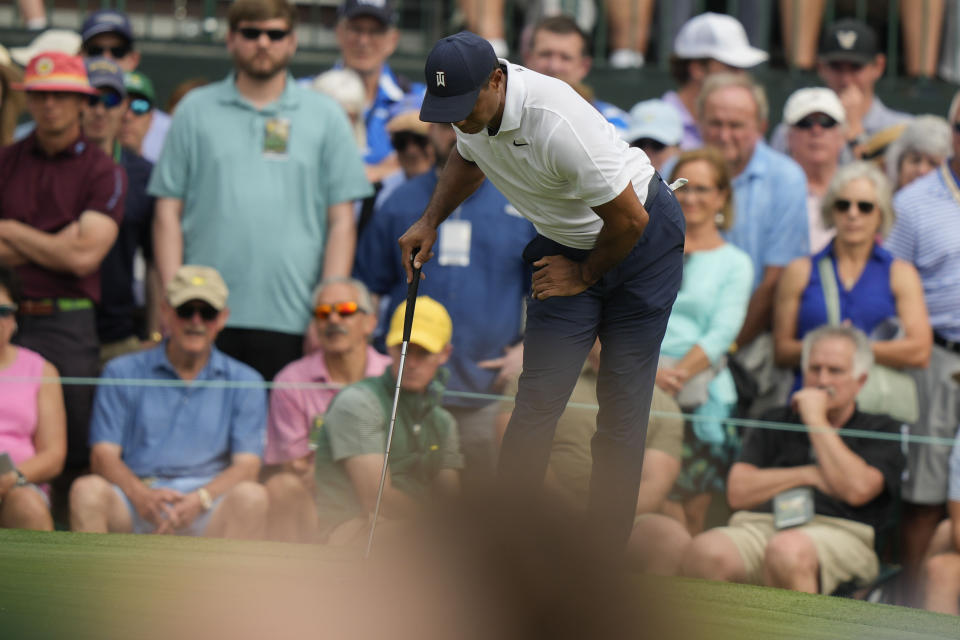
[111, 350]
[844, 547]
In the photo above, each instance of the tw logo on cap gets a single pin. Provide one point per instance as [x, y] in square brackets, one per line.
[847, 39]
[441, 79]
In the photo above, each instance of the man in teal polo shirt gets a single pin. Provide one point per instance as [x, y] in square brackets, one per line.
[257, 178]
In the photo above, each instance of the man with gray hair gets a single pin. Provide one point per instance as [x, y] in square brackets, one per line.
[926, 234]
[809, 502]
[770, 195]
[344, 318]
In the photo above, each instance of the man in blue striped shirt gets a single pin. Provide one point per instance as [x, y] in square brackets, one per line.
[926, 233]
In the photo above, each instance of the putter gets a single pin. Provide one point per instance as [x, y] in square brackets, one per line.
[407, 325]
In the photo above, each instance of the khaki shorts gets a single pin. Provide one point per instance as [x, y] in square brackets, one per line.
[844, 547]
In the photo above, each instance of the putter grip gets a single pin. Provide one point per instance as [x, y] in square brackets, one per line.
[411, 303]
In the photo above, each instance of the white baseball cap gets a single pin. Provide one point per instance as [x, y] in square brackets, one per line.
[654, 119]
[61, 40]
[720, 37]
[803, 102]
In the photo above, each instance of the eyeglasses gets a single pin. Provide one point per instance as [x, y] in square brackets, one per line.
[822, 119]
[7, 310]
[252, 33]
[140, 106]
[116, 53]
[843, 205]
[648, 144]
[109, 99]
[187, 310]
[343, 309]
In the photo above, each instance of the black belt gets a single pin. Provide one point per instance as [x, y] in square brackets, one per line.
[949, 345]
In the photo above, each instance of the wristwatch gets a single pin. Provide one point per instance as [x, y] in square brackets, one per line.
[205, 500]
[21, 479]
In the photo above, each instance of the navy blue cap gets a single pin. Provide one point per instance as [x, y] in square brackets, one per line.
[105, 74]
[457, 69]
[382, 10]
[107, 21]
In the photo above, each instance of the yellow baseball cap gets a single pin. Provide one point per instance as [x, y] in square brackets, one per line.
[431, 329]
[194, 282]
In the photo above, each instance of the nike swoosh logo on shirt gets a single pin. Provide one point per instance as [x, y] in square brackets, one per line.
[521, 144]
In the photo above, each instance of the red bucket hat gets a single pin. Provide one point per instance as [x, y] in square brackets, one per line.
[55, 71]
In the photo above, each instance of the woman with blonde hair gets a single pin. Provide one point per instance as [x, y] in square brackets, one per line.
[855, 279]
[706, 317]
[11, 102]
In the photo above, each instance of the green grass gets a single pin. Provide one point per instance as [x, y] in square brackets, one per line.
[67, 585]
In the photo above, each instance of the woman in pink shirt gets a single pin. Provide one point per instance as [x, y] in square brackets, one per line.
[33, 424]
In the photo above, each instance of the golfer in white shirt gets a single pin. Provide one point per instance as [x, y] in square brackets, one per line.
[608, 258]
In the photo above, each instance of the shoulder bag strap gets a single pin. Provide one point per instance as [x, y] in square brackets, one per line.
[831, 296]
[947, 176]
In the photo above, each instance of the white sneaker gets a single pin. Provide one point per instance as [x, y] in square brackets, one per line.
[626, 59]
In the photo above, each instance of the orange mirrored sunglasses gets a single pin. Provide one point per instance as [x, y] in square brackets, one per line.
[343, 309]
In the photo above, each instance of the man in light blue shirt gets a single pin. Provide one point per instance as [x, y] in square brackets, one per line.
[257, 179]
[769, 189]
[178, 458]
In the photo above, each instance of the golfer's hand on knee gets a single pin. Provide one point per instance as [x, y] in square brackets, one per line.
[557, 276]
[418, 239]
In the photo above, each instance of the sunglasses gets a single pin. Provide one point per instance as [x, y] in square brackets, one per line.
[825, 122]
[115, 52]
[187, 310]
[110, 100]
[648, 144]
[140, 106]
[402, 139]
[843, 205]
[343, 309]
[7, 310]
[252, 33]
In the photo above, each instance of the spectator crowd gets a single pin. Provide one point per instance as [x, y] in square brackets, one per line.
[247, 241]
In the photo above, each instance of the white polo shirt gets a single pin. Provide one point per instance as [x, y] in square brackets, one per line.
[555, 156]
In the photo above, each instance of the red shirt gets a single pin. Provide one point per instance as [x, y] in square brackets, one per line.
[48, 193]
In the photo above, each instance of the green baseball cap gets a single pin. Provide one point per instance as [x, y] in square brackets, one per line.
[139, 84]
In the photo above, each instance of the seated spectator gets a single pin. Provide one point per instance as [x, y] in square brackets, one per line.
[559, 48]
[769, 196]
[850, 63]
[33, 423]
[809, 504]
[344, 320]
[425, 450]
[705, 319]
[922, 147]
[11, 102]
[655, 127]
[117, 326]
[568, 472]
[706, 44]
[815, 140]
[479, 268]
[872, 287]
[925, 235]
[178, 459]
[942, 566]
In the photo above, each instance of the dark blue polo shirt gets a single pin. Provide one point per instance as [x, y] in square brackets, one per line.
[115, 316]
